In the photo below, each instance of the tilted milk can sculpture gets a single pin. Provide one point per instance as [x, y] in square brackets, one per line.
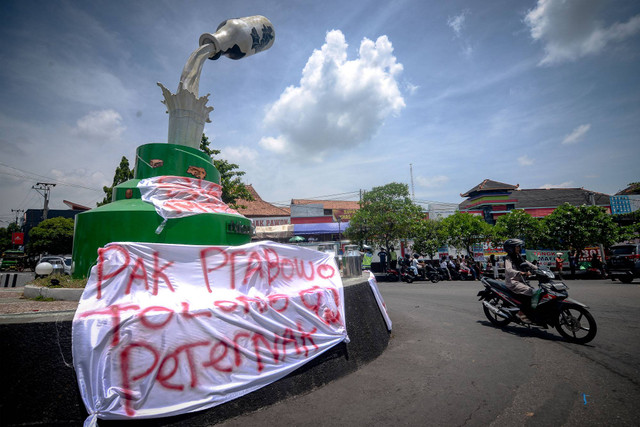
[128, 217]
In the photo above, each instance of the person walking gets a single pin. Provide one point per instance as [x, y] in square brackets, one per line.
[559, 262]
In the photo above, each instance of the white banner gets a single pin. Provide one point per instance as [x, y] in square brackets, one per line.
[168, 329]
[373, 283]
[179, 196]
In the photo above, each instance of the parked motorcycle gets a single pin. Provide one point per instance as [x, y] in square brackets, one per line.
[403, 274]
[571, 318]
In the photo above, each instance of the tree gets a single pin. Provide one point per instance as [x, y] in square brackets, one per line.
[519, 224]
[463, 230]
[5, 236]
[386, 215]
[233, 189]
[578, 227]
[123, 173]
[53, 236]
[428, 237]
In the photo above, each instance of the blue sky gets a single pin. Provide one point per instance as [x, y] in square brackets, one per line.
[538, 93]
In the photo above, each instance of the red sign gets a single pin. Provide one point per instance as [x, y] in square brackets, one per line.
[17, 238]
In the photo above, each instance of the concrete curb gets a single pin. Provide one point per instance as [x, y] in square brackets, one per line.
[61, 294]
[36, 349]
[15, 280]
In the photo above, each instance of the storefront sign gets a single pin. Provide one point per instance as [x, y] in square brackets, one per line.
[168, 329]
[270, 221]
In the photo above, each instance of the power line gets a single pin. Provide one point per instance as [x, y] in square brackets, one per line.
[57, 181]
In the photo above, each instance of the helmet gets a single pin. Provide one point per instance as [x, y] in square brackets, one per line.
[510, 246]
[559, 254]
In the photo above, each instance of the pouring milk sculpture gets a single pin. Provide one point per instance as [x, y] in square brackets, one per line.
[128, 217]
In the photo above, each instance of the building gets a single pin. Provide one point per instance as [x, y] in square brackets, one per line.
[270, 221]
[33, 217]
[323, 220]
[491, 199]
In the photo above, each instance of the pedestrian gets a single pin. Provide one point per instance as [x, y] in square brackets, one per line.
[559, 262]
[393, 257]
[383, 259]
[367, 258]
[573, 263]
[493, 262]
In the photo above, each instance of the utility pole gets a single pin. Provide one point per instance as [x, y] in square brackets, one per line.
[17, 211]
[413, 193]
[44, 188]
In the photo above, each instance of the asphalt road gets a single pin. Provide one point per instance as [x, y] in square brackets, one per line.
[446, 365]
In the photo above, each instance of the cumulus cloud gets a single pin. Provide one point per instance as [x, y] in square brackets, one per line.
[239, 155]
[432, 181]
[339, 103]
[104, 125]
[571, 29]
[577, 134]
[566, 184]
[525, 160]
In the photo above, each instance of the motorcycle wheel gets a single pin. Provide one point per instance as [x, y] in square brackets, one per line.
[576, 324]
[408, 279]
[494, 318]
[434, 278]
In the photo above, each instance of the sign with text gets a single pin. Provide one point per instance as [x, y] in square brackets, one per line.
[270, 221]
[168, 329]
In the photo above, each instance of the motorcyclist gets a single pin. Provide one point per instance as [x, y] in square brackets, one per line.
[515, 268]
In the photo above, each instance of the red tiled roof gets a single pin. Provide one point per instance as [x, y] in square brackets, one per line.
[258, 207]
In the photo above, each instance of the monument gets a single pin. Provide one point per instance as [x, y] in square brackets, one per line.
[130, 218]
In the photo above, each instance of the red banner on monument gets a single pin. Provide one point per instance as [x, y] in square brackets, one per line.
[17, 238]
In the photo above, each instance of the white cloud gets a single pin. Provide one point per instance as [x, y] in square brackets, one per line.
[432, 181]
[566, 184]
[525, 160]
[339, 103]
[277, 145]
[239, 155]
[577, 134]
[571, 29]
[457, 22]
[104, 125]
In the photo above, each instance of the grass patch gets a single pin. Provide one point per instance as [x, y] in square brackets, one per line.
[64, 281]
[41, 298]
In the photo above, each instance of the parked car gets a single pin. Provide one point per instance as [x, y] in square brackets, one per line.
[59, 266]
[624, 262]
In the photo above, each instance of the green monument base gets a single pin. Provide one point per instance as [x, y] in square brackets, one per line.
[129, 219]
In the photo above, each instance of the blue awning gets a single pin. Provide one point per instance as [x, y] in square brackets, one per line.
[320, 228]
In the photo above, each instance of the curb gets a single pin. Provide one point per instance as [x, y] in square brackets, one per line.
[61, 294]
[15, 280]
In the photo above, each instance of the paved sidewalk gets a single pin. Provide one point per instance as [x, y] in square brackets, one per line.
[13, 302]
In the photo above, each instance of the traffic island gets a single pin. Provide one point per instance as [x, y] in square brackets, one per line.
[37, 367]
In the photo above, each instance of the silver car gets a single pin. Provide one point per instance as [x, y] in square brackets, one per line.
[59, 266]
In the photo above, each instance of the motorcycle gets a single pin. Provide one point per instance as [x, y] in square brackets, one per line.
[430, 273]
[404, 274]
[570, 318]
